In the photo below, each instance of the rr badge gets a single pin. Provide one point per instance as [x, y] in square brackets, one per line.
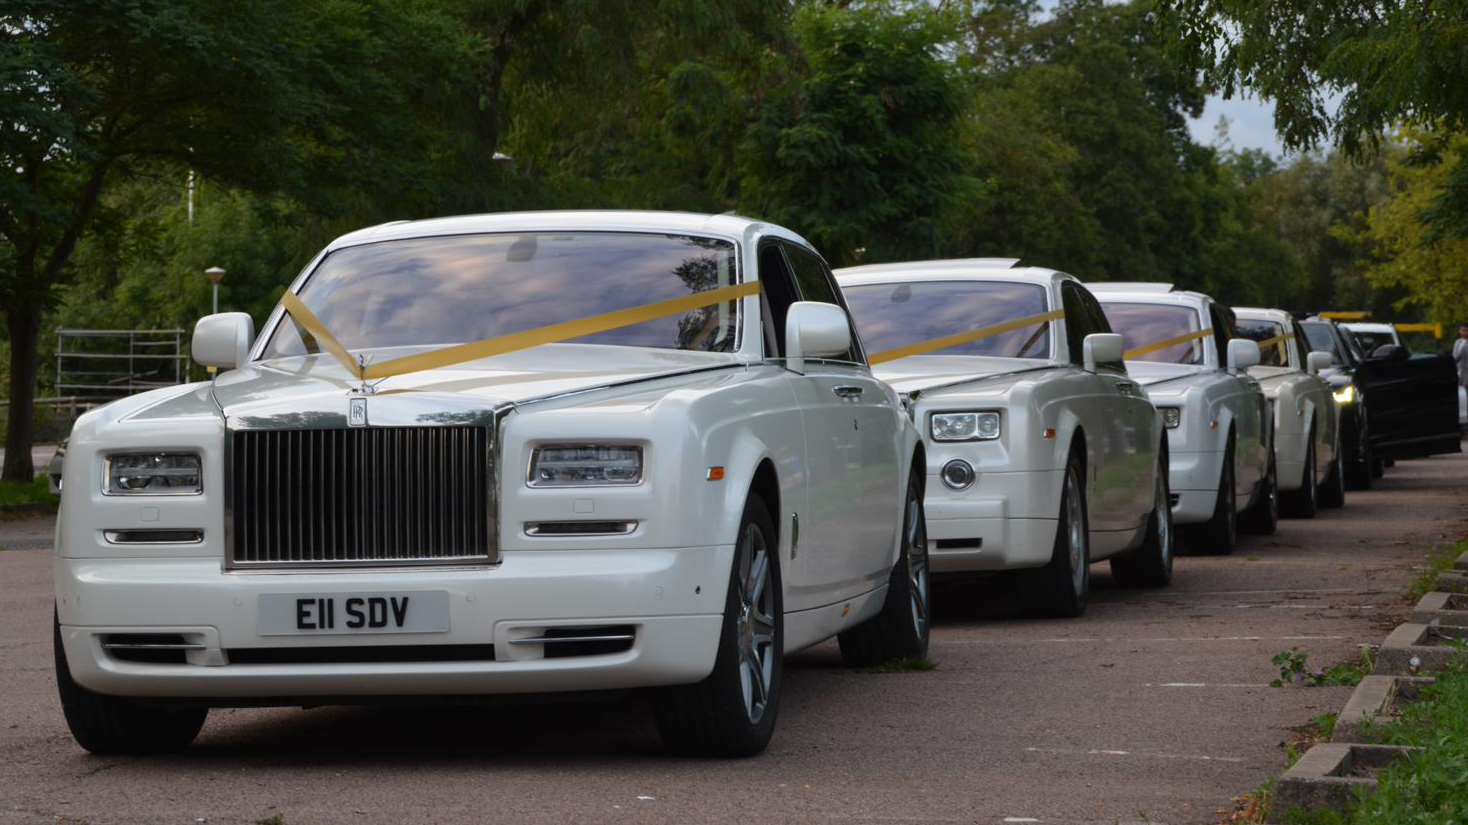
[357, 415]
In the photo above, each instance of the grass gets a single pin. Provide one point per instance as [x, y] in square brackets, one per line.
[37, 491]
[911, 664]
[1440, 561]
[1433, 786]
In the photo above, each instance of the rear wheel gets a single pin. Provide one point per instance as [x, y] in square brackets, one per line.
[1218, 535]
[732, 711]
[1063, 586]
[1262, 517]
[1304, 502]
[115, 725]
[900, 631]
[1151, 564]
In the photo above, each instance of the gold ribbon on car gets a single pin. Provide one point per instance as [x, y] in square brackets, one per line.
[1278, 339]
[957, 338]
[1135, 352]
[512, 342]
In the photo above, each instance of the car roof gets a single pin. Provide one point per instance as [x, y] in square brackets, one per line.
[1152, 293]
[956, 269]
[1279, 316]
[602, 220]
[1368, 326]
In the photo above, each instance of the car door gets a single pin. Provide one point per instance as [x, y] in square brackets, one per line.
[1245, 399]
[1413, 405]
[860, 414]
[1101, 412]
[1127, 404]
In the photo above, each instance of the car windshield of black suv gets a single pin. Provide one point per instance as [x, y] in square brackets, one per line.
[1144, 325]
[1270, 336]
[463, 288]
[889, 316]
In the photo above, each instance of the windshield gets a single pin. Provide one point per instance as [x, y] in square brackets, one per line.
[463, 288]
[1276, 352]
[889, 316]
[1142, 325]
[1369, 341]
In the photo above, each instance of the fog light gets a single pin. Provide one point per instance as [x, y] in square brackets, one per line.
[958, 474]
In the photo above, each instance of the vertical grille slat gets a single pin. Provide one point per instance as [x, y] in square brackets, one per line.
[360, 496]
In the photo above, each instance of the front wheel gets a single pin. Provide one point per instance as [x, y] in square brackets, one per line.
[1333, 490]
[1262, 517]
[1220, 533]
[732, 712]
[1061, 588]
[115, 725]
[1151, 564]
[1358, 467]
[900, 631]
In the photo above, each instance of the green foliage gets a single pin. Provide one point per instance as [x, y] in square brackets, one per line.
[1294, 669]
[35, 491]
[1441, 559]
[908, 665]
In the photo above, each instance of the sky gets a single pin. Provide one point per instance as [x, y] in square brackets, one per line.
[1250, 124]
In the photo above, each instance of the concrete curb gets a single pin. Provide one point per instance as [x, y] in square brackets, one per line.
[1329, 774]
[1452, 582]
[1437, 607]
[1423, 642]
[1462, 562]
[1372, 704]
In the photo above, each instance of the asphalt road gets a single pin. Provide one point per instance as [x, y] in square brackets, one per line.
[1153, 707]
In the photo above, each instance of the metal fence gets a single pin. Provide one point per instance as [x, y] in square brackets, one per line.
[104, 364]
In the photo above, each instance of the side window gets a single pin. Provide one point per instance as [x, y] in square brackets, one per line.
[1077, 320]
[817, 284]
[1302, 346]
[777, 293]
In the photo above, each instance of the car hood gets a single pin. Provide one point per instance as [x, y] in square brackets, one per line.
[924, 373]
[316, 388]
[1151, 374]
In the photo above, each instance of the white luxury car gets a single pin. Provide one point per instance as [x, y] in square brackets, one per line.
[1371, 335]
[515, 453]
[1307, 441]
[1181, 346]
[1043, 454]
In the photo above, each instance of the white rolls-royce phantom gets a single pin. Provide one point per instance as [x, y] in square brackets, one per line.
[1043, 454]
[1307, 441]
[514, 453]
[1181, 346]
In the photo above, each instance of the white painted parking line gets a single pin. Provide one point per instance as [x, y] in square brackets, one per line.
[1275, 590]
[1304, 607]
[1206, 685]
[1146, 755]
[1020, 819]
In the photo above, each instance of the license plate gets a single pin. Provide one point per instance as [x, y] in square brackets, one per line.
[295, 614]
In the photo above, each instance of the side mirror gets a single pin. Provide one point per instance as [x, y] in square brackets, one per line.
[1242, 354]
[1101, 348]
[814, 330]
[223, 340]
[1317, 362]
[1391, 352]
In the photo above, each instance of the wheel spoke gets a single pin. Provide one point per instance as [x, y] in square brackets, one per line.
[759, 575]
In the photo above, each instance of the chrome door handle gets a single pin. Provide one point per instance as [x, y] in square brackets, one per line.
[847, 391]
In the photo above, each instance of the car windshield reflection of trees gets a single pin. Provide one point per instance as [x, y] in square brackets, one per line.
[890, 316]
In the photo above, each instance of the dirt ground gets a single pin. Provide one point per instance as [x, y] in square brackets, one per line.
[1153, 707]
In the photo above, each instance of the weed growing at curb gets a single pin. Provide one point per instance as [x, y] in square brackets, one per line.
[1295, 670]
[1441, 560]
[910, 664]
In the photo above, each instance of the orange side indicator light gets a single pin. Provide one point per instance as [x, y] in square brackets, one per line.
[845, 610]
[716, 474]
[1049, 432]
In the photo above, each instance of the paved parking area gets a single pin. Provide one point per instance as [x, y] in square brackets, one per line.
[1153, 707]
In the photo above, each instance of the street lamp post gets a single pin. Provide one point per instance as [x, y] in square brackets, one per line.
[216, 274]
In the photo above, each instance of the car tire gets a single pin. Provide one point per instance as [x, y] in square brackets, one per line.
[1358, 465]
[731, 713]
[1220, 533]
[1333, 490]
[1262, 517]
[1378, 468]
[1151, 564]
[108, 725]
[1304, 502]
[900, 631]
[1062, 587]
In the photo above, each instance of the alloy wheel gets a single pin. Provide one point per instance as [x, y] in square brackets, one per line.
[917, 562]
[1075, 527]
[756, 622]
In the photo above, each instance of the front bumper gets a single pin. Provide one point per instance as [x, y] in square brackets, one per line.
[1005, 521]
[673, 600]
[1193, 478]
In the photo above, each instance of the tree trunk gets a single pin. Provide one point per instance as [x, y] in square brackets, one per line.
[25, 337]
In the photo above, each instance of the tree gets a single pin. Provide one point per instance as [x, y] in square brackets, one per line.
[273, 95]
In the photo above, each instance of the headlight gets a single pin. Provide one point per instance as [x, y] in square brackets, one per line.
[1172, 417]
[153, 474]
[1346, 394]
[585, 465]
[965, 426]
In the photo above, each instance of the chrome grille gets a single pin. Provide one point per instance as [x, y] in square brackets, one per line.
[360, 496]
